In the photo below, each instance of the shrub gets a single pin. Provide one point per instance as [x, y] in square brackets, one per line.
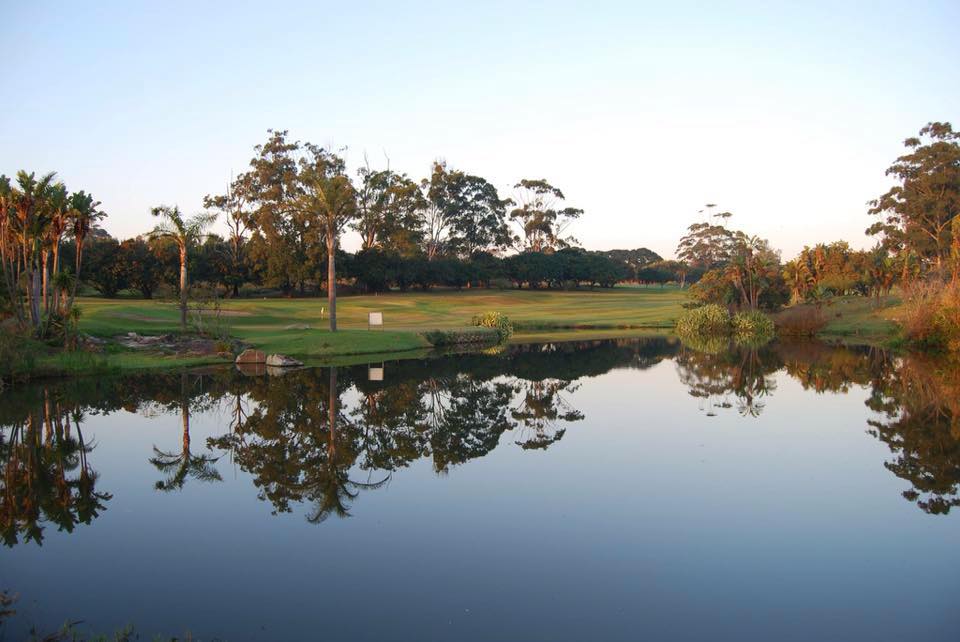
[752, 324]
[16, 355]
[800, 321]
[710, 319]
[465, 336]
[496, 320]
[931, 315]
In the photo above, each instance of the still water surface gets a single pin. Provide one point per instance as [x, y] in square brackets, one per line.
[631, 489]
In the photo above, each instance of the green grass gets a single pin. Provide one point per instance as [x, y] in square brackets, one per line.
[858, 320]
[298, 326]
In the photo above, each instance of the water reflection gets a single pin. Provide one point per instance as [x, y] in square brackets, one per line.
[181, 466]
[317, 438]
[47, 478]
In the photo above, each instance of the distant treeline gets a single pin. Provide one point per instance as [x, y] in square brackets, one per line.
[144, 266]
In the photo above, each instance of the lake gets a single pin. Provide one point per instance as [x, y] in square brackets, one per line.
[610, 490]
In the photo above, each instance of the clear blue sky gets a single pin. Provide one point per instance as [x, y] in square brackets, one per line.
[785, 113]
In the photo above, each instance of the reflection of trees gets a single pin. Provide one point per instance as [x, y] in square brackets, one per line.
[541, 405]
[46, 475]
[744, 372]
[917, 397]
[920, 403]
[298, 445]
[181, 466]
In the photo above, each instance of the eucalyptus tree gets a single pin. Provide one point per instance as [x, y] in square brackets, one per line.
[327, 197]
[281, 243]
[185, 233]
[235, 205]
[390, 211]
[541, 219]
[918, 212]
[707, 244]
[464, 213]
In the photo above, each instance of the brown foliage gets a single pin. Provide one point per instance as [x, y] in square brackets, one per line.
[800, 321]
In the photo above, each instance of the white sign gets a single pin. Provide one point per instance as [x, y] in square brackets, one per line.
[375, 374]
[375, 318]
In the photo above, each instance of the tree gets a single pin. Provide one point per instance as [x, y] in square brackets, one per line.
[83, 216]
[540, 218]
[754, 270]
[283, 247]
[108, 273]
[26, 222]
[141, 266]
[328, 195]
[751, 279]
[707, 245]
[390, 211]
[917, 213]
[464, 213]
[185, 233]
[235, 205]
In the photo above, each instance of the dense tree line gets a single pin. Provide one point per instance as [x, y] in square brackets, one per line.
[145, 265]
[286, 214]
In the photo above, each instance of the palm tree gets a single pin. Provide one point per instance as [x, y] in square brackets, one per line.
[185, 233]
[57, 206]
[31, 219]
[83, 214]
[328, 195]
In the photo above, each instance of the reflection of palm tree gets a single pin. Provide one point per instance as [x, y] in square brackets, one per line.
[183, 465]
[743, 372]
[37, 484]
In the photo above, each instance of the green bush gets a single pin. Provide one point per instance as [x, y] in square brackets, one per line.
[711, 327]
[752, 325]
[496, 320]
[706, 320]
[465, 336]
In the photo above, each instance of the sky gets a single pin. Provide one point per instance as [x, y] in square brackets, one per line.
[785, 113]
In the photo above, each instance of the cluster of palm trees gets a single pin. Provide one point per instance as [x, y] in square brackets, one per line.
[836, 269]
[37, 215]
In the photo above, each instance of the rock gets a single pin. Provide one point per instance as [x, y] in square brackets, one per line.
[251, 356]
[282, 361]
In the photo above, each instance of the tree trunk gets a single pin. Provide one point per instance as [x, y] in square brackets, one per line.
[185, 415]
[183, 289]
[56, 270]
[331, 281]
[76, 277]
[332, 415]
[45, 263]
[35, 298]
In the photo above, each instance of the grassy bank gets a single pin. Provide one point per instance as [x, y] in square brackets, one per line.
[297, 327]
[858, 320]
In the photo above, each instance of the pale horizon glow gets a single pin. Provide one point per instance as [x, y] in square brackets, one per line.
[785, 114]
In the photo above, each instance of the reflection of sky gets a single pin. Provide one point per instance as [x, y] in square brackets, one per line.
[647, 519]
